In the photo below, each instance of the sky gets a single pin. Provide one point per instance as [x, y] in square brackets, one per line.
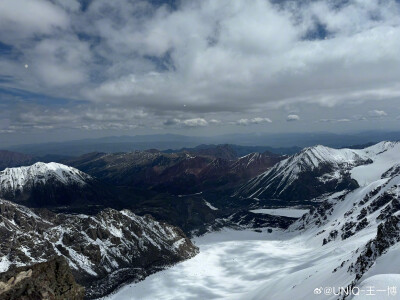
[81, 68]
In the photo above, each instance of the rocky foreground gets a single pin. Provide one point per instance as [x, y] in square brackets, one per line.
[102, 251]
[49, 280]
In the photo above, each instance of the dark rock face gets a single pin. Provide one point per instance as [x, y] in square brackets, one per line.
[225, 152]
[190, 213]
[53, 194]
[393, 171]
[317, 216]
[196, 216]
[175, 173]
[152, 179]
[388, 229]
[387, 235]
[247, 220]
[9, 159]
[48, 280]
[102, 250]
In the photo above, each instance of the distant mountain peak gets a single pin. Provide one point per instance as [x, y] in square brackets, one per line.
[52, 185]
[18, 178]
[312, 172]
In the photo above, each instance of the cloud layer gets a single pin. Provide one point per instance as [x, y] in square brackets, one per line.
[139, 64]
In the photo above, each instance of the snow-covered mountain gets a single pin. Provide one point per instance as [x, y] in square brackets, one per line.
[102, 250]
[318, 170]
[51, 184]
[20, 178]
[352, 239]
[353, 235]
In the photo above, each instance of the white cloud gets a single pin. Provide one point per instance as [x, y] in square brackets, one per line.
[334, 120]
[195, 122]
[214, 122]
[206, 58]
[25, 18]
[245, 44]
[291, 118]
[114, 114]
[253, 121]
[377, 113]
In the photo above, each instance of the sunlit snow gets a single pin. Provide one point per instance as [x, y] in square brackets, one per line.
[292, 264]
[230, 264]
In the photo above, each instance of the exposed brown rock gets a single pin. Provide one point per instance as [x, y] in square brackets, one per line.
[49, 280]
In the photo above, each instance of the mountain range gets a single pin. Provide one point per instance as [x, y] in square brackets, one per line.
[94, 211]
[280, 143]
[347, 244]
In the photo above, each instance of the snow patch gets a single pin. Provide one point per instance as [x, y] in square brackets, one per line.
[379, 287]
[210, 205]
[284, 212]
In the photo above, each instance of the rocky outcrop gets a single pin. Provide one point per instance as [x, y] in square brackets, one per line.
[247, 220]
[387, 235]
[102, 250]
[48, 280]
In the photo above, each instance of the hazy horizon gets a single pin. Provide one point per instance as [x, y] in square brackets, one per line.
[200, 135]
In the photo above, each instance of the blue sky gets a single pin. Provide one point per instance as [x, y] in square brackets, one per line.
[75, 69]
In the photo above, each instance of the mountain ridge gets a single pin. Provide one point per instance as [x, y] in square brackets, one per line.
[102, 250]
[312, 172]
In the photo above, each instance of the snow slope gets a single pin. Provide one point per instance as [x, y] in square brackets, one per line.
[243, 265]
[319, 170]
[23, 177]
[379, 287]
[352, 238]
[230, 264]
[384, 155]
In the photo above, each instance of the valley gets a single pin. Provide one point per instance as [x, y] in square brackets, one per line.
[340, 244]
